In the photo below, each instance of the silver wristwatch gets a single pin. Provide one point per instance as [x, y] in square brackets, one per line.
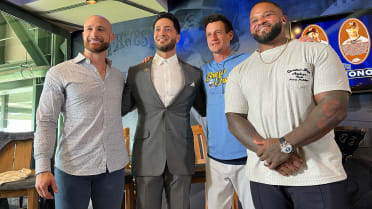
[285, 146]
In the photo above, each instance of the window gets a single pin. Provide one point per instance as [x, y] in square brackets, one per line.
[26, 54]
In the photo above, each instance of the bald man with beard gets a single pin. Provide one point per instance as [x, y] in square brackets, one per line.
[91, 153]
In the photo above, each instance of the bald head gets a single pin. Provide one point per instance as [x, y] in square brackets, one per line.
[97, 34]
[98, 20]
[267, 4]
[267, 23]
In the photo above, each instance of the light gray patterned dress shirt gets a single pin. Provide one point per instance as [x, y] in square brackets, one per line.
[92, 137]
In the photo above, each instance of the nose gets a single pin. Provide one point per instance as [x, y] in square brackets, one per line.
[214, 36]
[261, 21]
[162, 31]
[94, 32]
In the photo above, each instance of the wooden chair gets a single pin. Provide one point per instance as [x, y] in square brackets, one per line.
[200, 145]
[128, 199]
[348, 139]
[15, 156]
[200, 148]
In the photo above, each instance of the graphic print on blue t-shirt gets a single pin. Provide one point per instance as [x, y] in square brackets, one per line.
[215, 79]
[222, 144]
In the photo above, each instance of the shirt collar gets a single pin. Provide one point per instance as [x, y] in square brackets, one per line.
[158, 60]
[80, 58]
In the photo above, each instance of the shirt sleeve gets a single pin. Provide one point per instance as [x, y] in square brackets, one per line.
[50, 104]
[235, 100]
[330, 73]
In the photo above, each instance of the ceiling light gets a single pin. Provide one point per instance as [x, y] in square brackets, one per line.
[91, 1]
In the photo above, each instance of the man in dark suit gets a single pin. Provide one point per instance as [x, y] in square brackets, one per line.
[163, 90]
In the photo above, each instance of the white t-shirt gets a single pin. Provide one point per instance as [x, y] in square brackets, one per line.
[278, 97]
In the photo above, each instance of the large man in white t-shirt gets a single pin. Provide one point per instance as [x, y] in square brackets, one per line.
[286, 98]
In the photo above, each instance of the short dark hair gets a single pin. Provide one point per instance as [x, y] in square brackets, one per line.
[169, 16]
[218, 17]
[269, 2]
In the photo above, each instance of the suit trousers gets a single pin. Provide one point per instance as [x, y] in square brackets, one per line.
[150, 189]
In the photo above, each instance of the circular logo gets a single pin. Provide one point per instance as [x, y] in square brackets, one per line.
[316, 32]
[354, 41]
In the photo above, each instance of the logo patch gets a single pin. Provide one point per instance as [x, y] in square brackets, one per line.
[299, 75]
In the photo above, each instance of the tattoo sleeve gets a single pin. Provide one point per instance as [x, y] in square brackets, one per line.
[330, 110]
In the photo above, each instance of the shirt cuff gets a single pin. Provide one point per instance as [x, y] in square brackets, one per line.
[42, 165]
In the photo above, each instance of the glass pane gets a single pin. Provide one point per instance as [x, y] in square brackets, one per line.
[19, 113]
[26, 54]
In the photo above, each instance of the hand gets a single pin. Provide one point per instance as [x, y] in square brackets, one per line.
[271, 153]
[307, 39]
[43, 181]
[146, 59]
[291, 166]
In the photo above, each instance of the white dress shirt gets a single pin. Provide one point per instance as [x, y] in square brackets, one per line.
[167, 77]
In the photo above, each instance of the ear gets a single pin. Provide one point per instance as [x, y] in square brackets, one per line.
[178, 38]
[284, 19]
[112, 37]
[231, 35]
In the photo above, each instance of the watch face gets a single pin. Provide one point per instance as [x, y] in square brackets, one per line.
[287, 149]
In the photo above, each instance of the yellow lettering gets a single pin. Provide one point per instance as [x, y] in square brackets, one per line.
[217, 76]
[224, 80]
[209, 76]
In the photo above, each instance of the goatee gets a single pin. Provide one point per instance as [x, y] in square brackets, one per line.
[266, 38]
[168, 47]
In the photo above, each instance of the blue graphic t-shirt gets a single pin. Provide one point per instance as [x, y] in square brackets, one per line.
[222, 144]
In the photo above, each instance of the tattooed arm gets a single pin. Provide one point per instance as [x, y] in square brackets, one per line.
[330, 110]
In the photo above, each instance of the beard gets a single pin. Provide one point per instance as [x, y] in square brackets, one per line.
[96, 49]
[266, 38]
[168, 47]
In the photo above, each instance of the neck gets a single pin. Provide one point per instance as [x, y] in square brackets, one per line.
[96, 58]
[278, 41]
[167, 54]
[219, 57]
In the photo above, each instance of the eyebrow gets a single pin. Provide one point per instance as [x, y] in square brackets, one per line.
[217, 30]
[167, 26]
[269, 11]
[102, 26]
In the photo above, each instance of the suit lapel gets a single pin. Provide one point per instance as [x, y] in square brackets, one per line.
[187, 78]
[147, 72]
[186, 74]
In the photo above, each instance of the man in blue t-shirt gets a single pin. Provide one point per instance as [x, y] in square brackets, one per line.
[226, 155]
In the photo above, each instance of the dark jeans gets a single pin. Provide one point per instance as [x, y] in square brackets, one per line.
[326, 196]
[105, 190]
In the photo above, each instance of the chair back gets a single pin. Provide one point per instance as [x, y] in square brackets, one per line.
[348, 138]
[126, 134]
[16, 155]
[127, 139]
[200, 144]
